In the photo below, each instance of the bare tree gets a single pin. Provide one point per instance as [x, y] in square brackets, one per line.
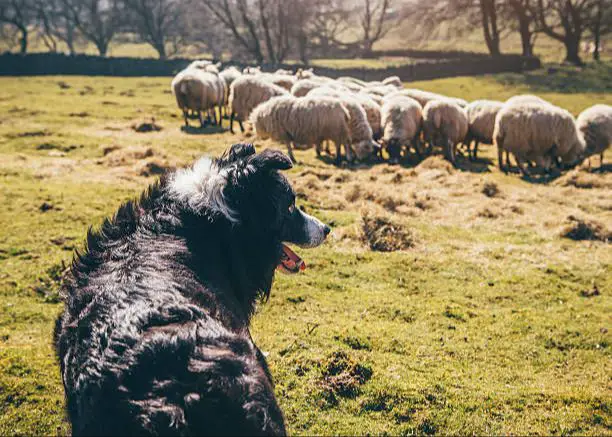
[566, 21]
[55, 25]
[601, 24]
[522, 17]
[331, 19]
[373, 22]
[19, 14]
[97, 20]
[488, 14]
[160, 23]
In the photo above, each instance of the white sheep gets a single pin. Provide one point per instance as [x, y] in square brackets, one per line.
[282, 80]
[283, 72]
[196, 90]
[304, 86]
[444, 125]
[229, 75]
[481, 124]
[305, 74]
[595, 125]
[371, 108]
[393, 80]
[424, 97]
[537, 132]
[308, 121]
[251, 70]
[348, 79]
[526, 98]
[246, 93]
[402, 120]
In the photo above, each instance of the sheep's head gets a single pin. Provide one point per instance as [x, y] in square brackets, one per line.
[365, 149]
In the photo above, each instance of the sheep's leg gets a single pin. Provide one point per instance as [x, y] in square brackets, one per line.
[416, 144]
[232, 122]
[475, 151]
[318, 149]
[500, 159]
[327, 148]
[186, 117]
[450, 151]
[201, 118]
[522, 167]
[290, 151]
[601, 159]
[338, 154]
[241, 126]
[214, 115]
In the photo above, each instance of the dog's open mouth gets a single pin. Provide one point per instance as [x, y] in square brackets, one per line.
[290, 262]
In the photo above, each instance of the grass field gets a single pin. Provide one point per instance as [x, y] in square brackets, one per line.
[488, 321]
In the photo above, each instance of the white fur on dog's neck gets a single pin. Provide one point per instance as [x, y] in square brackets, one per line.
[201, 187]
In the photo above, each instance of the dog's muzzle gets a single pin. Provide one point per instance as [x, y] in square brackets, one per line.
[316, 231]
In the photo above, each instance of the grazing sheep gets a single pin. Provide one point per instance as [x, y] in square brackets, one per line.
[304, 86]
[402, 119]
[200, 64]
[283, 72]
[347, 79]
[282, 80]
[305, 74]
[251, 70]
[424, 97]
[246, 93]
[537, 132]
[229, 75]
[595, 125]
[481, 124]
[196, 90]
[445, 125]
[525, 98]
[350, 85]
[306, 121]
[372, 109]
[380, 90]
[393, 80]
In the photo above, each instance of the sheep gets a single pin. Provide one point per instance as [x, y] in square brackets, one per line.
[371, 108]
[445, 125]
[525, 98]
[305, 74]
[229, 75]
[251, 70]
[380, 90]
[283, 72]
[481, 123]
[537, 132]
[350, 85]
[196, 90]
[347, 79]
[282, 80]
[304, 86]
[393, 80]
[402, 119]
[595, 125]
[246, 93]
[303, 121]
[308, 121]
[424, 97]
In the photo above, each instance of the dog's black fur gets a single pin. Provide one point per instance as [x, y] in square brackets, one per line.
[155, 336]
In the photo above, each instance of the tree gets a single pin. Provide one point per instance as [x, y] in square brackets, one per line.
[97, 20]
[601, 24]
[374, 23]
[160, 23]
[19, 14]
[566, 21]
[488, 14]
[54, 24]
[520, 12]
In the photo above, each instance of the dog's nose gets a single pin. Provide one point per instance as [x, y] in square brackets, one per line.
[326, 230]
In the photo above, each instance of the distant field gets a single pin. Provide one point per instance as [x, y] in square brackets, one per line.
[487, 322]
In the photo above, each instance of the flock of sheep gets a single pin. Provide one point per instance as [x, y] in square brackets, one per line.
[305, 110]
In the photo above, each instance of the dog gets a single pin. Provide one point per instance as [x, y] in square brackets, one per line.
[154, 338]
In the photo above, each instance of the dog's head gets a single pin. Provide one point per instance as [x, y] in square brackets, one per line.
[247, 190]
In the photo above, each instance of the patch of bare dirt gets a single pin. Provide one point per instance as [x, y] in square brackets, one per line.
[383, 234]
[585, 229]
[147, 126]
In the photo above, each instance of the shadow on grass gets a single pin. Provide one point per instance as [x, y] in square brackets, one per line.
[206, 130]
[593, 78]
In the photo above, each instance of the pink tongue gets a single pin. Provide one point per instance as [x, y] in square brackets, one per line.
[290, 262]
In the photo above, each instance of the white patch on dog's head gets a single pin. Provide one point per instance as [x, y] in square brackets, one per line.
[201, 187]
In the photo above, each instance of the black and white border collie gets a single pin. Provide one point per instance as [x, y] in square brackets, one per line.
[154, 338]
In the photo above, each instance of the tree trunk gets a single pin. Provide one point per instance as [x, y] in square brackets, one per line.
[23, 41]
[160, 47]
[102, 48]
[489, 26]
[572, 49]
[597, 31]
[70, 39]
[525, 33]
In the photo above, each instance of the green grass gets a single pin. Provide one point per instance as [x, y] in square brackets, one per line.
[479, 328]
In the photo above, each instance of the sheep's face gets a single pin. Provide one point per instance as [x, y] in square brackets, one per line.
[366, 148]
[576, 153]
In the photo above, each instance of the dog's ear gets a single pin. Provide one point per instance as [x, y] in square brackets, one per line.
[236, 153]
[271, 159]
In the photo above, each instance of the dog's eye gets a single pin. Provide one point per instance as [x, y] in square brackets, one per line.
[291, 208]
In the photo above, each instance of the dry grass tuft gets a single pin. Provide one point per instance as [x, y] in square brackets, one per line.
[354, 193]
[490, 189]
[120, 157]
[585, 229]
[341, 376]
[147, 126]
[489, 213]
[154, 167]
[582, 179]
[435, 162]
[383, 234]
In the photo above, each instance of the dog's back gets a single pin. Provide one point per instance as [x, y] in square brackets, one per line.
[146, 348]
